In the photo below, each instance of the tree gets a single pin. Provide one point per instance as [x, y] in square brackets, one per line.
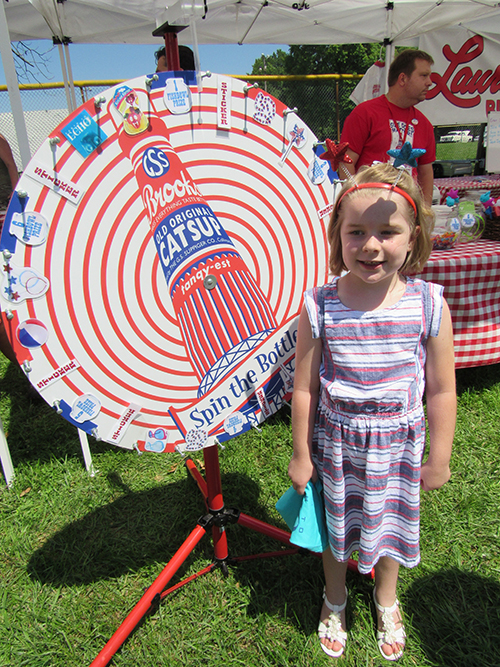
[323, 105]
[30, 62]
[331, 59]
[319, 59]
[273, 64]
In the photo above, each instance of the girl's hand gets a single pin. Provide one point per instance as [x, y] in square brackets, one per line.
[432, 477]
[300, 471]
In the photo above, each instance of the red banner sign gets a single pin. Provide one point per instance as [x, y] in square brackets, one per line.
[466, 77]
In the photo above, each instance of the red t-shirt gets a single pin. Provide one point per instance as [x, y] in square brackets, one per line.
[376, 126]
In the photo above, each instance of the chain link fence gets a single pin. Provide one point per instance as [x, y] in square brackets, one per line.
[44, 106]
[322, 102]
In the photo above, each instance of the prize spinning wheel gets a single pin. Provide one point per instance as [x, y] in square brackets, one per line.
[155, 257]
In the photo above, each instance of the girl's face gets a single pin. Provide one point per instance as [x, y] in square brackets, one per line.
[375, 235]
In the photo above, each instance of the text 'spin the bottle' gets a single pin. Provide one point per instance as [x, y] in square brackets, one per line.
[221, 310]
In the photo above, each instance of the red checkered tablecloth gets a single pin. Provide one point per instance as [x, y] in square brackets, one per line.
[465, 183]
[470, 275]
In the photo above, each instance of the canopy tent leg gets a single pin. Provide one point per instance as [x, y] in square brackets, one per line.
[13, 88]
[70, 99]
[70, 75]
[8, 468]
[87, 456]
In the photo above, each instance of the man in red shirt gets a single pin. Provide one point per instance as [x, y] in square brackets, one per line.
[387, 122]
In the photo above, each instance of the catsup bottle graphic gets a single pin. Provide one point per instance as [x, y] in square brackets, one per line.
[221, 311]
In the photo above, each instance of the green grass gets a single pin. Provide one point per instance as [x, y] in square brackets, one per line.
[456, 151]
[77, 552]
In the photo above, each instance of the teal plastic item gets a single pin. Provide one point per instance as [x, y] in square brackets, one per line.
[305, 516]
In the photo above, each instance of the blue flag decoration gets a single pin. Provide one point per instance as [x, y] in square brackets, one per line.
[84, 133]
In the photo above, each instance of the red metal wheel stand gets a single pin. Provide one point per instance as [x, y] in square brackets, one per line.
[216, 519]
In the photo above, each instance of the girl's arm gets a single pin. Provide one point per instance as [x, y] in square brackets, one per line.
[441, 401]
[306, 387]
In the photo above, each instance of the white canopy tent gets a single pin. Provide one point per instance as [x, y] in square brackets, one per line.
[78, 21]
[248, 21]
[399, 22]
[327, 21]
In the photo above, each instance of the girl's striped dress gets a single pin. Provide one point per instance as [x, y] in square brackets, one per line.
[369, 436]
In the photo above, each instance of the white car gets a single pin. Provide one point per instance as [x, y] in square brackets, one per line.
[457, 136]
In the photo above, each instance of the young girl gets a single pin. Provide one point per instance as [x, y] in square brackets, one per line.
[367, 344]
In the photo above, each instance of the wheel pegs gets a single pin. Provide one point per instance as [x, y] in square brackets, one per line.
[149, 80]
[53, 141]
[99, 101]
[247, 87]
[287, 111]
[219, 444]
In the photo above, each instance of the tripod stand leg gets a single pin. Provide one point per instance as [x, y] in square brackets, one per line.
[150, 597]
[215, 500]
[217, 518]
[212, 493]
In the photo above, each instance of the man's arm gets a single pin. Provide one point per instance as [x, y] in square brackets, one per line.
[350, 166]
[425, 178]
[355, 132]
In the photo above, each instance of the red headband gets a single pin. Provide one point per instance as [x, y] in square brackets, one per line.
[382, 186]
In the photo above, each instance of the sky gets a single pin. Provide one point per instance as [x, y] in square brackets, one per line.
[98, 62]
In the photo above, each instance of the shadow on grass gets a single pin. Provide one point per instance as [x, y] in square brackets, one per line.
[35, 430]
[123, 536]
[142, 528]
[477, 379]
[147, 528]
[457, 617]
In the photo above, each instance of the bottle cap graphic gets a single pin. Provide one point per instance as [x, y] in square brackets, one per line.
[126, 101]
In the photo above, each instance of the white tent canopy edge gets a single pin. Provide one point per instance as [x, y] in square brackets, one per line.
[399, 22]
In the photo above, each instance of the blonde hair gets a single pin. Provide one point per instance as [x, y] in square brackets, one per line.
[421, 223]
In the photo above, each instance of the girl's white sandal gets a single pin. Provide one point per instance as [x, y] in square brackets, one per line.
[389, 634]
[332, 628]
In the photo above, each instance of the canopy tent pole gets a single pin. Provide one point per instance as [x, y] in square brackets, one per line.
[70, 72]
[480, 34]
[417, 20]
[69, 87]
[64, 73]
[391, 39]
[196, 51]
[56, 23]
[264, 4]
[389, 48]
[13, 88]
